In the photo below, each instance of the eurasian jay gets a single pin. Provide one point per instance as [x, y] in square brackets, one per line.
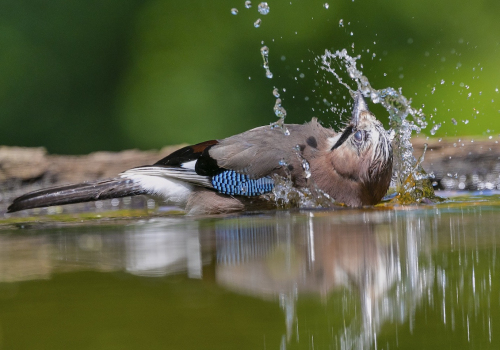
[353, 166]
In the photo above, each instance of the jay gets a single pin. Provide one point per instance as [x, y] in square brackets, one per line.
[353, 166]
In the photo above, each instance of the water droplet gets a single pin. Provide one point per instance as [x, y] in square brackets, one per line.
[248, 4]
[306, 168]
[496, 90]
[454, 121]
[433, 89]
[352, 33]
[326, 5]
[282, 162]
[257, 23]
[234, 11]
[341, 23]
[279, 110]
[276, 93]
[442, 81]
[264, 51]
[435, 128]
[263, 8]
[466, 121]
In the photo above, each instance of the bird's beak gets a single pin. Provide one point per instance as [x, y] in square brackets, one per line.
[359, 107]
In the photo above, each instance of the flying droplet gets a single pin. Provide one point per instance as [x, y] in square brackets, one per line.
[263, 8]
[454, 121]
[435, 128]
[234, 11]
[248, 4]
[433, 89]
[341, 23]
[442, 81]
[257, 23]
[276, 93]
[326, 5]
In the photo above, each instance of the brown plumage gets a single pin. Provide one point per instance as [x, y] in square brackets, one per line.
[353, 166]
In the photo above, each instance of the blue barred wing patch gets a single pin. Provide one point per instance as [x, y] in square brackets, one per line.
[232, 183]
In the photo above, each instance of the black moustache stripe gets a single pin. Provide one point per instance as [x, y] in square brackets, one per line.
[347, 132]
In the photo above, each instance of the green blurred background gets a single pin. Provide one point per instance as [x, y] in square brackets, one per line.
[79, 76]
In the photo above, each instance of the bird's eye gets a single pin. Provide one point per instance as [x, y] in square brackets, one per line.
[358, 135]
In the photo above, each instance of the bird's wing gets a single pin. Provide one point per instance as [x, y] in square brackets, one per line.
[263, 151]
[241, 164]
[177, 173]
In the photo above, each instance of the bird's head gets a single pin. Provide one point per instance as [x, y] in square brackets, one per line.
[362, 152]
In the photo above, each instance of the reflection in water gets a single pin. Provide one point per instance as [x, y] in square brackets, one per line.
[163, 248]
[374, 273]
[318, 256]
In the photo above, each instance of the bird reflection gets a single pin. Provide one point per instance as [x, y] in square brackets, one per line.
[291, 257]
[370, 269]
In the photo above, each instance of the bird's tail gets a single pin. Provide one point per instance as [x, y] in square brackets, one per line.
[84, 192]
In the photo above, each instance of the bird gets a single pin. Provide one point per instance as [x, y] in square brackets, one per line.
[353, 166]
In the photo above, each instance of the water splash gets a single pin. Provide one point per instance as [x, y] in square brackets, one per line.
[263, 8]
[410, 181]
[248, 4]
[264, 51]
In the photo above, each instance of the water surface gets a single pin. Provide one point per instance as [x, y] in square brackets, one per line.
[410, 277]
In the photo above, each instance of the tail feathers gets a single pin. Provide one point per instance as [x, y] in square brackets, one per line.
[84, 192]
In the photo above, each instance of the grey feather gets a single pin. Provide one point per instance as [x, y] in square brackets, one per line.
[258, 152]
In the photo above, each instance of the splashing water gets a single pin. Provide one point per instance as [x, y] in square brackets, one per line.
[410, 181]
[263, 8]
[264, 51]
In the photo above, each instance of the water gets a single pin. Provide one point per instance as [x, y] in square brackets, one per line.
[410, 181]
[263, 8]
[423, 277]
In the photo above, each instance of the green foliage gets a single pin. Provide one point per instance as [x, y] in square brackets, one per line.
[81, 76]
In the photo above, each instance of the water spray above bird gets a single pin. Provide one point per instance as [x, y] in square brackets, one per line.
[353, 166]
